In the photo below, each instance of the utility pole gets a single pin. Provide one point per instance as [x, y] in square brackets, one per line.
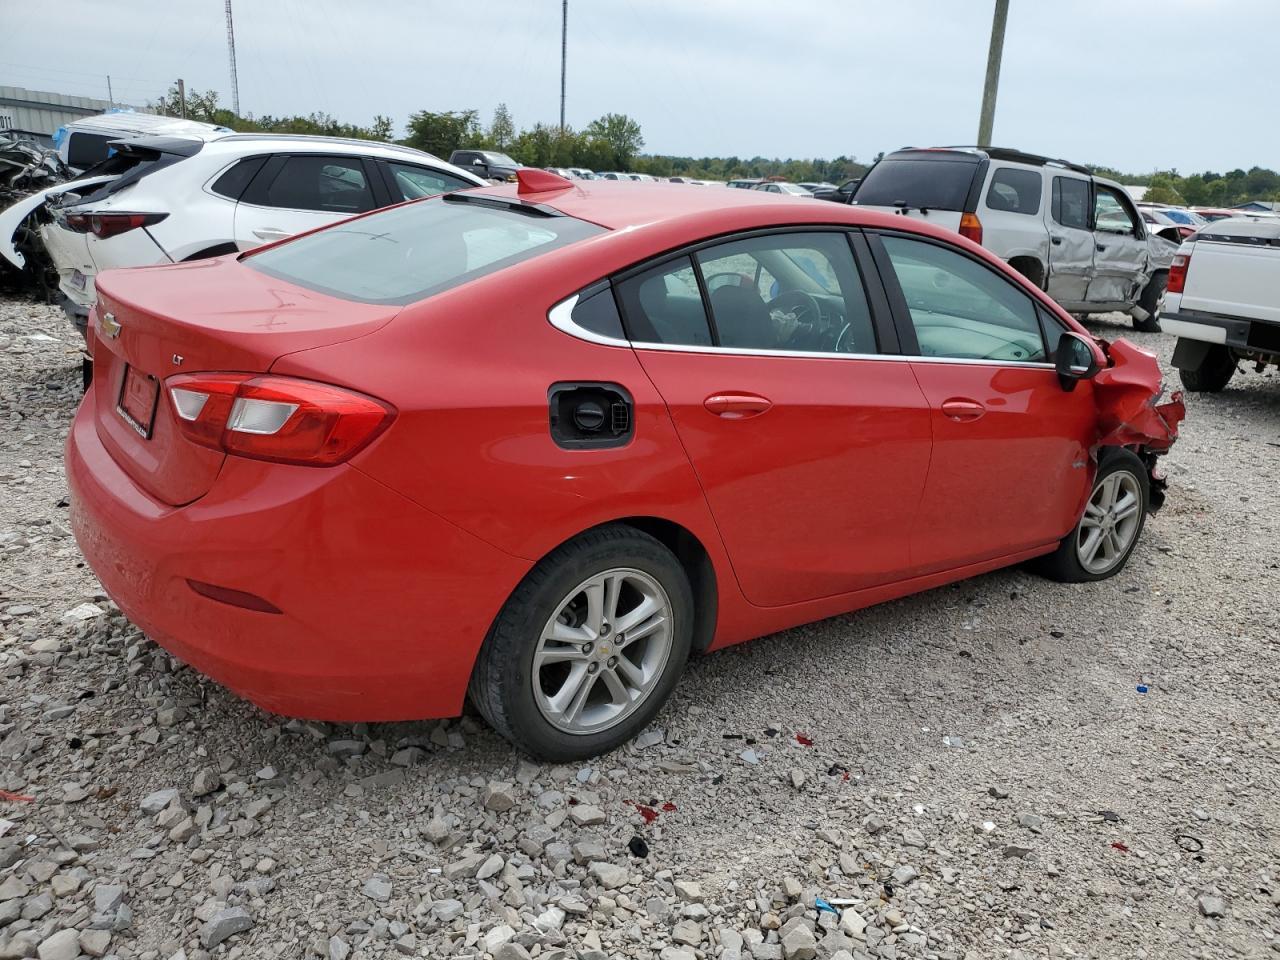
[564, 53]
[231, 52]
[992, 83]
[182, 99]
[110, 96]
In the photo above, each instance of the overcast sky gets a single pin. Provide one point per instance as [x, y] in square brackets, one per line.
[1098, 81]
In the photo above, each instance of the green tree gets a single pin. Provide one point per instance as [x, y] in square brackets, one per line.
[1163, 188]
[443, 133]
[620, 134]
[382, 128]
[503, 129]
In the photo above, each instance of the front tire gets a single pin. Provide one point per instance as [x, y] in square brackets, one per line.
[1152, 301]
[588, 647]
[1214, 373]
[1105, 536]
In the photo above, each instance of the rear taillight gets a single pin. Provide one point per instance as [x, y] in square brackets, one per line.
[103, 225]
[1178, 273]
[971, 227]
[276, 418]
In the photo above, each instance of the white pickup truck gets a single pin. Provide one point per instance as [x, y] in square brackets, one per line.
[1223, 301]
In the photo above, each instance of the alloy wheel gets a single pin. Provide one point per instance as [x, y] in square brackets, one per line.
[603, 651]
[1110, 522]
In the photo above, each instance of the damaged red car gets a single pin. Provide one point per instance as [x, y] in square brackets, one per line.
[537, 444]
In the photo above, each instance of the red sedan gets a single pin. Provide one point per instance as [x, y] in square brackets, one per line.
[538, 444]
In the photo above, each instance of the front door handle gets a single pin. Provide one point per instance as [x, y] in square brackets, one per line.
[270, 233]
[962, 410]
[736, 406]
[1101, 246]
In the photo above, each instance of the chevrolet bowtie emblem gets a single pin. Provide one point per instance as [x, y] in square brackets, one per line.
[109, 326]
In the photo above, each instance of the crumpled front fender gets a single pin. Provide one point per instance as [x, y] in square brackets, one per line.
[1127, 395]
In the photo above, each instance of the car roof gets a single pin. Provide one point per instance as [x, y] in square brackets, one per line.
[302, 141]
[1005, 154]
[1259, 230]
[145, 124]
[620, 206]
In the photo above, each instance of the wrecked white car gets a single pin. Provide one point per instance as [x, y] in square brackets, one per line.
[1076, 236]
[160, 200]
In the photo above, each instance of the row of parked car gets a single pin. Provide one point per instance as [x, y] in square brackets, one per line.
[166, 191]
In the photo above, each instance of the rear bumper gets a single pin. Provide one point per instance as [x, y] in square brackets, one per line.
[1241, 333]
[383, 604]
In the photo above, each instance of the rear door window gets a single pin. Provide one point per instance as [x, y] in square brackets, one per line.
[413, 252]
[932, 183]
[1071, 202]
[1015, 191]
[329, 184]
[791, 291]
[664, 305]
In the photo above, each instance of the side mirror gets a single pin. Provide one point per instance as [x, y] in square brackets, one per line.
[1074, 360]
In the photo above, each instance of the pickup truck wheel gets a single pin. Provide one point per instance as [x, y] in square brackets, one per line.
[1103, 539]
[1214, 372]
[1152, 301]
[588, 647]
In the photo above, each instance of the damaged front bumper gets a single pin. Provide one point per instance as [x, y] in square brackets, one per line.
[1130, 414]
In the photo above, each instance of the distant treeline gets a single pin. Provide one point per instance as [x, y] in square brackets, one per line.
[614, 142]
[1207, 189]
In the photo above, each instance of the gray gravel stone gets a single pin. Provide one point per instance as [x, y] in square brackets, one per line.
[63, 945]
[608, 875]
[223, 924]
[1211, 906]
[154, 802]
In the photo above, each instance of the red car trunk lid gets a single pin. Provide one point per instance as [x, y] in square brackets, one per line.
[210, 315]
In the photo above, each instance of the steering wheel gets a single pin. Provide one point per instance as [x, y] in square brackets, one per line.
[804, 307]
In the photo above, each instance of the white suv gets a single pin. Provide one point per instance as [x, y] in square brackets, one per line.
[1078, 237]
[172, 199]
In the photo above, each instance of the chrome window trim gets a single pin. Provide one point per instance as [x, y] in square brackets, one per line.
[817, 355]
[561, 317]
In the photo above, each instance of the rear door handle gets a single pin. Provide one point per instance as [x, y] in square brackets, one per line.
[270, 233]
[736, 406]
[1056, 241]
[962, 410]
[1101, 246]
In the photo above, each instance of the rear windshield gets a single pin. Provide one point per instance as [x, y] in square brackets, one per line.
[934, 184]
[415, 251]
[129, 166]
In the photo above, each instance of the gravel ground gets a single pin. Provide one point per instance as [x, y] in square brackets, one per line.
[975, 772]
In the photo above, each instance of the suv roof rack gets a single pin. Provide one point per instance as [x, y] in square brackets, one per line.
[1016, 156]
[320, 138]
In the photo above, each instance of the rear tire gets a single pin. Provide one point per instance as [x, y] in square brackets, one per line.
[1214, 373]
[524, 681]
[1103, 539]
[1152, 301]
